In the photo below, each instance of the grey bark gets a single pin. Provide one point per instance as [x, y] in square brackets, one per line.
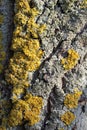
[66, 28]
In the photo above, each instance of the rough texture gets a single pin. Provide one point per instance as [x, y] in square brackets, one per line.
[66, 29]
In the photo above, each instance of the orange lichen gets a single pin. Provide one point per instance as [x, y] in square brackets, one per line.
[71, 100]
[26, 110]
[68, 117]
[70, 61]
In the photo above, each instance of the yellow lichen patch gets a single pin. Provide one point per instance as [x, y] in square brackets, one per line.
[34, 29]
[35, 105]
[2, 53]
[4, 121]
[15, 117]
[61, 129]
[20, 18]
[26, 110]
[26, 58]
[83, 4]
[2, 128]
[1, 19]
[17, 93]
[16, 75]
[4, 107]
[70, 61]
[23, 6]
[68, 117]
[71, 100]
[26, 47]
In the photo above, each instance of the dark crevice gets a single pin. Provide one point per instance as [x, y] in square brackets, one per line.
[83, 108]
[64, 84]
[9, 52]
[51, 103]
[59, 6]
[57, 49]
[32, 4]
[10, 28]
[5, 89]
[47, 117]
[40, 41]
[78, 34]
[41, 13]
[74, 127]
